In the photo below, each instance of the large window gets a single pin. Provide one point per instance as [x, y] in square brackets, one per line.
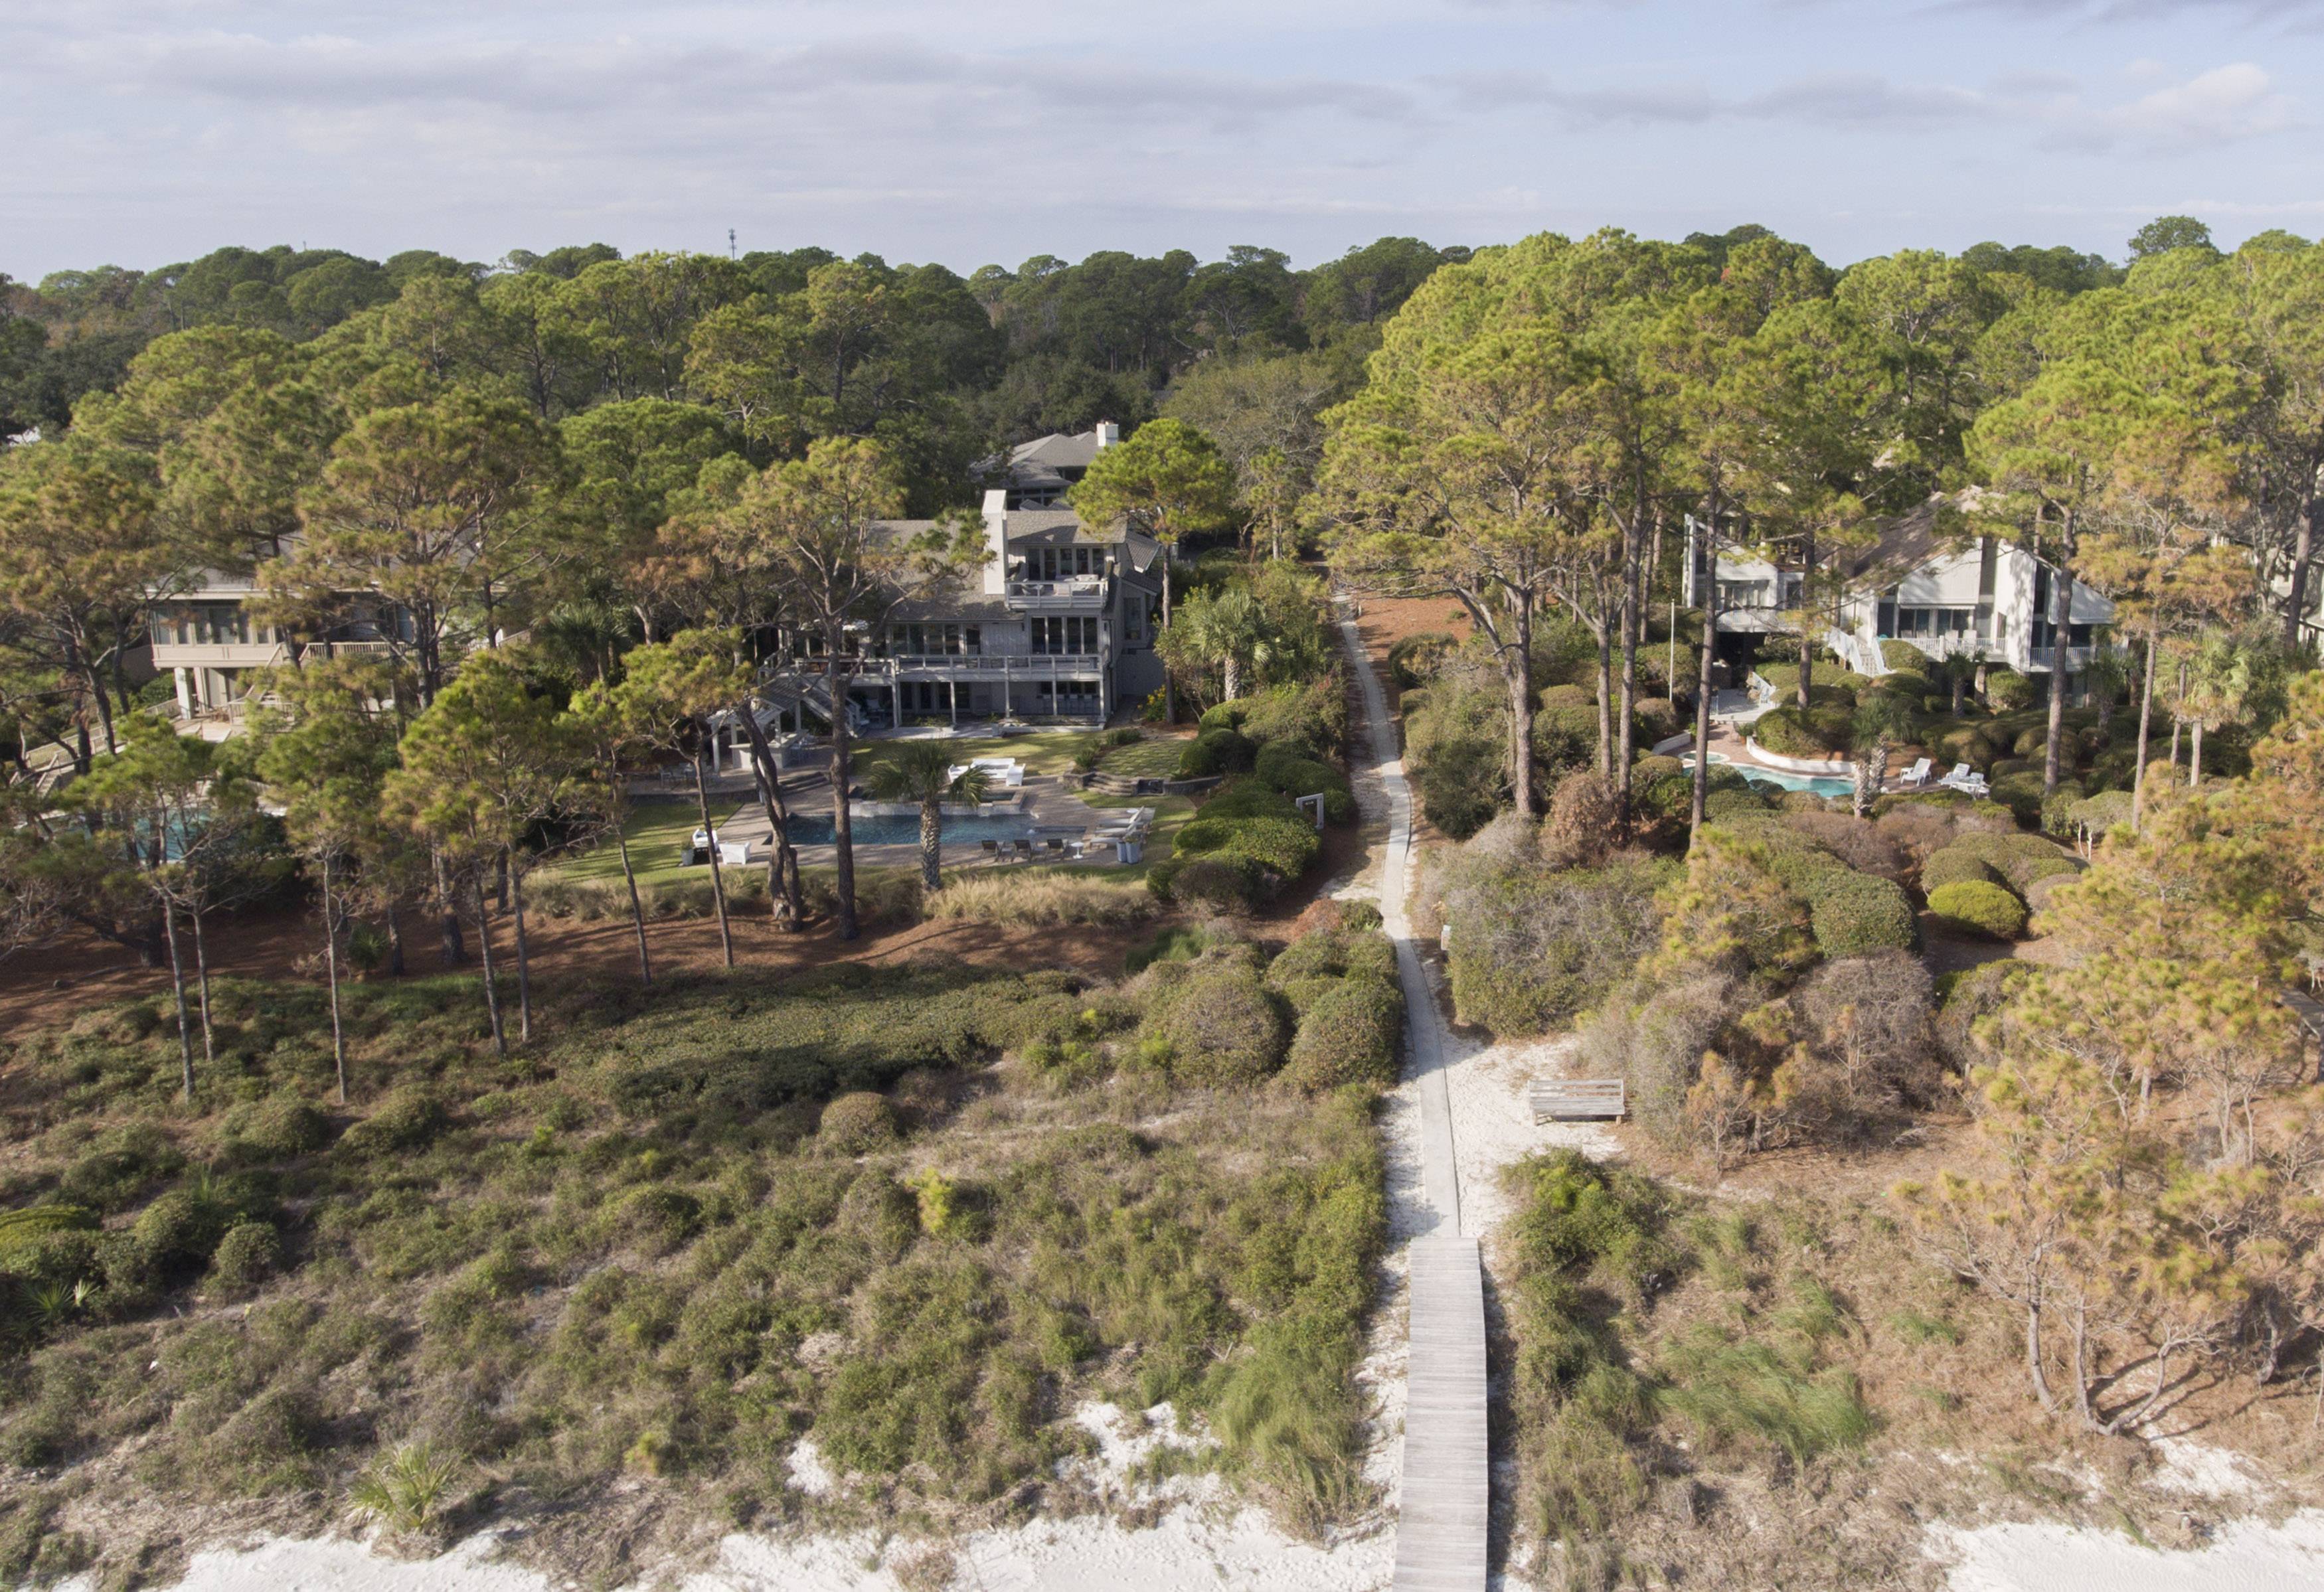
[204, 624]
[1065, 637]
[935, 641]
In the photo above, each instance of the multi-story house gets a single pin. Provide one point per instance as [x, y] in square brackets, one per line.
[209, 636]
[1987, 599]
[1058, 623]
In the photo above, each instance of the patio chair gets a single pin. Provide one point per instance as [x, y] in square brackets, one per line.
[992, 850]
[1024, 850]
[1917, 775]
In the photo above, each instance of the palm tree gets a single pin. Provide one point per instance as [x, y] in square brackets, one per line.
[922, 771]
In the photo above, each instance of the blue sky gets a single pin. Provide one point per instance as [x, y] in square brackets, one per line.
[146, 131]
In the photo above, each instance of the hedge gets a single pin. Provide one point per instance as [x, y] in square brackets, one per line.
[2006, 690]
[1413, 658]
[1239, 850]
[1215, 1026]
[1952, 865]
[1980, 907]
[1903, 655]
[1217, 751]
[1349, 1035]
[1855, 913]
[1788, 733]
[1285, 766]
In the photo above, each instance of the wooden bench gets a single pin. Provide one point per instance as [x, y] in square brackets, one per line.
[1567, 1100]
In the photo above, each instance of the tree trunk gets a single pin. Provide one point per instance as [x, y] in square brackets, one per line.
[1169, 702]
[394, 939]
[782, 880]
[2040, 1378]
[454, 953]
[1807, 626]
[202, 983]
[1633, 614]
[2061, 599]
[2194, 753]
[1605, 701]
[629, 874]
[717, 880]
[931, 845]
[492, 989]
[524, 961]
[1517, 673]
[2303, 551]
[843, 827]
[331, 971]
[2145, 718]
[178, 990]
[1703, 686]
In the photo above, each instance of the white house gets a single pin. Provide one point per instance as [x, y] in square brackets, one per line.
[1987, 598]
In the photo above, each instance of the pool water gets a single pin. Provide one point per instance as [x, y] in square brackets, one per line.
[906, 831]
[1822, 785]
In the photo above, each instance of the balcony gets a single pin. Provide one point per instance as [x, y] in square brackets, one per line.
[1081, 593]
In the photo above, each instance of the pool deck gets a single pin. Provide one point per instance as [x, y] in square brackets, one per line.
[1047, 804]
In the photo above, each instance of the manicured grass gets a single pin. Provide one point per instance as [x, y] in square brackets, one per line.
[1044, 751]
[658, 833]
[1154, 757]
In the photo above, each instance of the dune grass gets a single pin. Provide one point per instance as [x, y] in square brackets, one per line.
[627, 1269]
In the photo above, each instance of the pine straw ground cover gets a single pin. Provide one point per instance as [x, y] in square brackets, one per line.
[617, 1278]
[1778, 1391]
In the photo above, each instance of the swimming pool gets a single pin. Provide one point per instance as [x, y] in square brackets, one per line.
[1823, 785]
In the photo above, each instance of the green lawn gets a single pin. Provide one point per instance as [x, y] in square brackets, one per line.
[1154, 757]
[656, 832]
[1045, 751]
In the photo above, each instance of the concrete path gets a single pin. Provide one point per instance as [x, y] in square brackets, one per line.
[1446, 1496]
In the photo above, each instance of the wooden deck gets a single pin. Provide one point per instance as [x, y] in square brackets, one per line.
[1442, 1521]
[1443, 1515]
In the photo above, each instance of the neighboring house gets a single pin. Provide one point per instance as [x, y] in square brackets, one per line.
[1988, 599]
[209, 636]
[1038, 475]
[1059, 623]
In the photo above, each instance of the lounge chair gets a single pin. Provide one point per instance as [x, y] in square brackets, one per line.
[1056, 846]
[1024, 850]
[992, 849]
[1917, 775]
[1965, 780]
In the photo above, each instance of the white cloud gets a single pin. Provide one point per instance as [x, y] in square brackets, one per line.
[2220, 105]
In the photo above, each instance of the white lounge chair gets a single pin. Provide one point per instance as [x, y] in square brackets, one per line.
[1917, 775]
[1964, 779]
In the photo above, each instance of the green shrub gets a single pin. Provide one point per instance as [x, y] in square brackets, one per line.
[1313, 715]
[249, 1253]
[1788, 733]
[1855, 913]
[1903, 656]
[23, 1231]
[1564, 739]
[2007, 692]
[1980, 907]
[1461, 784]
[1652, 768]
[1350, 1034]
[177, 1230]
[857, 1123]
[1217, 1025]
[1216, 751]
[1952, 865]
[1283, 766]
[1227, 715]
[1737, 800]
[1532, 947]
[1411, 659]
[285, 1126]
[1178, 942]
[1240, 848]
[406, 1119]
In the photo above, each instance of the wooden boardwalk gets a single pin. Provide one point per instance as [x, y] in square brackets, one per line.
[1442, 1516]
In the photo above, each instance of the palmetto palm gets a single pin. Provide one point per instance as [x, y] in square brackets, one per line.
[922, 771]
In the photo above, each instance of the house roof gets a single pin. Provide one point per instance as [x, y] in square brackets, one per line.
[1903, 544]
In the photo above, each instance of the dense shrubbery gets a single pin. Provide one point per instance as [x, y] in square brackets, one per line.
[1217, 751]
[1343, 985]
[1984, 908]
[1533, 945]
[1240, 848]
[628, 1239]
[1824, 729]
[1411, 659]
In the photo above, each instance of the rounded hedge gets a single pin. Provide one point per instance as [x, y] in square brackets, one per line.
[1217, 1025]
[1733, 800]
[1952, 865]
[1349, 1035]
[1855, 913]
[1980, 908]
[1216, 751]
[249, 1253]
[285, 1126]
[2007, 690]
[857, 1123]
